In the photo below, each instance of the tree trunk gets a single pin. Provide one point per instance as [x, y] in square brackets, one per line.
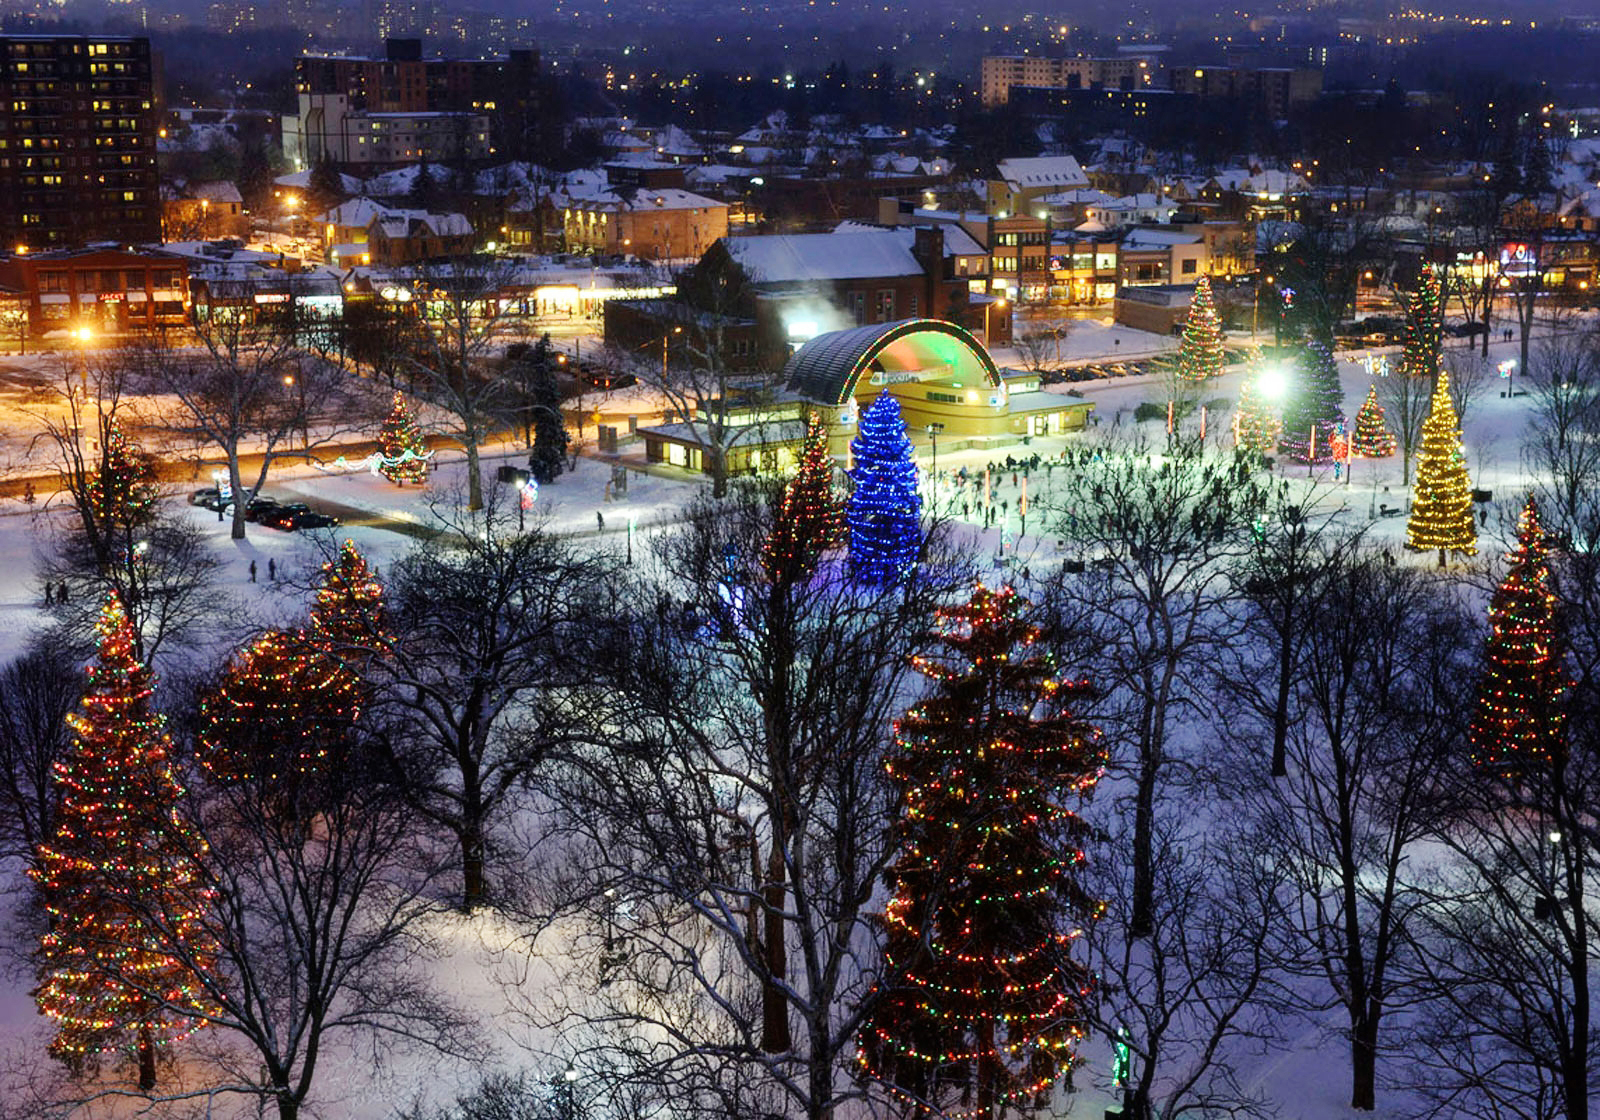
[240, 498]
[147, 1059]
[1142, 920]
[1364, 1064]
[474, 478]
[288, 1107]
[775, 1037]
[1280, 713]
[473, 888]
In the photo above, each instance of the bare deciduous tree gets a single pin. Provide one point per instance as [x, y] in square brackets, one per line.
[1406, 401]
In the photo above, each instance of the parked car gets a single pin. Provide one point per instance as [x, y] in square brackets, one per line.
[258, 507]
[290, 516]
[211, 498]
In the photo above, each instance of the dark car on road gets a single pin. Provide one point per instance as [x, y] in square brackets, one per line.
[291, 516]
[257, 508]
[210, 498]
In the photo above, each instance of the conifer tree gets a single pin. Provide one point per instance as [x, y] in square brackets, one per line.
[285, 707]
[1200, 351]
[401, 444]
[1258, 426]
[807, 522]
[885, 511]
[547, 458]
[1424, 339]
[1441, 509]
[1371, 439]
[982, 1005]
[121, 874]
[1315, 402]
[1520, 717]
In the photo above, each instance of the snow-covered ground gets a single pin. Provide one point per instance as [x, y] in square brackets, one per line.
[1309, 1081]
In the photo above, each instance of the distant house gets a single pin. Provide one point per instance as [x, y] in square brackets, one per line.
[202, 211]
[660, 223]
[1018, 184]
[398, 236]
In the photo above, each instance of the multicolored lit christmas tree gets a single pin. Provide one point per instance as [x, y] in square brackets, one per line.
[1315, 404]
[121, 876]
[1200, 351]
[884, 514]
[288, 700]
[981, 1006]
[1371, 439]
[1441, 507]
[1424, 338]
[1257, 427]
[807, 522]
[400, 441]
[1520, 716]
[124, 490]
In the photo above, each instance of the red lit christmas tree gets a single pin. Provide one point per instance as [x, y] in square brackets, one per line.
[808, 520]
[288, 700]
[121, 875]
[1371, 439]
[1424, 338]
[400, 441]
[1200, 350]
[1520, 717]
[982, 1005]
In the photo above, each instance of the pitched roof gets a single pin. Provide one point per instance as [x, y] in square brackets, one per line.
[1043, 173]
[790, 258]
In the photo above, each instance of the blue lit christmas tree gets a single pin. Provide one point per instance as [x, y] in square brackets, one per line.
[885, 511]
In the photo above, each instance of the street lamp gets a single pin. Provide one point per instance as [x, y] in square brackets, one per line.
[933, 436]
[82, 334]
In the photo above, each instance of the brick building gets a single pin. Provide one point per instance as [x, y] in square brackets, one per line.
[77, 141]
[106, 290]
[653, 224]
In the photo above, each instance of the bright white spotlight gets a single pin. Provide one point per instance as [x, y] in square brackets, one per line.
[1273, 382]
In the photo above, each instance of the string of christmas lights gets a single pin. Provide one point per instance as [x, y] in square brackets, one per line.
[808, 521]
[1441, 507]
[1520, 716]
[884, 514]
[1200, 349]
[982, 1004]
[1372, 438]
[401, 445]
[121, 876]
[1424, 336]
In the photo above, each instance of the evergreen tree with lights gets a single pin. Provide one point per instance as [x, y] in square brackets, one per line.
[1441, 508]
[547, 458]
[981, 1006]
[401, 444]
[807, 522]
[121, 875]
[283, 713]
[1372, 439]
[1315, 403]
[122, 493]
[1424, 338]
[1520, 717]
[1200, 351]
[1258, 427]
[884, 514]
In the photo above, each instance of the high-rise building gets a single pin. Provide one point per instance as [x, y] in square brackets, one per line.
[1128, 71]
[77, 141]
[455, 109]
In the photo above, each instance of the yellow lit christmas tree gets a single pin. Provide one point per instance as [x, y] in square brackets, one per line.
[121, 875]
[1520, 716]
[1441, 510]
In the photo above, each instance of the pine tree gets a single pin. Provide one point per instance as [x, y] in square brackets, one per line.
[1520, 717]
[1424, 339]
[548, 456]
[288, 701]
[1371, 439]
[1441, 510]
[807, 522]
[1315, 402]
[121, 875]
[1200, 351]
[885, 511]
[981, 1004]
[1538, 176]
[401, 445]
[1258, 429]
[123, 491]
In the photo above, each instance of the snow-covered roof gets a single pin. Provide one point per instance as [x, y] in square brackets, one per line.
[406, 223]
[356, 212]
[300, 180]
[790, 258]
[215, 190]
[1043, 173]
[1140, 239]
[642, 199]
